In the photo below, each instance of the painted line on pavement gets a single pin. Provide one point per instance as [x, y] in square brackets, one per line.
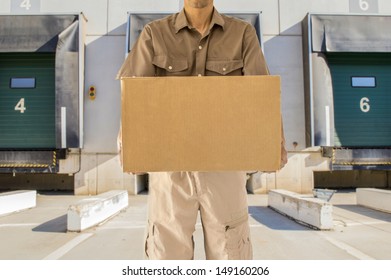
[18, 225]
[197, 226]
[114, 227]
[365, 224]
[68, 247]
[345, 247]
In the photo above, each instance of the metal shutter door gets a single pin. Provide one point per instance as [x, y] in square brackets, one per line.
[27, 115]
[362, 99]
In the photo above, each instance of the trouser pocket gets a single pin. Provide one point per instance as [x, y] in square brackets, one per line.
[163, 243]
[237, 236]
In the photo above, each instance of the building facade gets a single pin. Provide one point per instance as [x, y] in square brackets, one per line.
[332, 56]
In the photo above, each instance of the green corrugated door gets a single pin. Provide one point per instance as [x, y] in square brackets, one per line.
[362, 99]
[27, 100]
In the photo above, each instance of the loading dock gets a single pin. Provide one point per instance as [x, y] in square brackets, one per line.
[346, 70]
[41, 90]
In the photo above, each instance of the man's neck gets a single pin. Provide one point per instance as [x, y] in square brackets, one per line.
[199, 18]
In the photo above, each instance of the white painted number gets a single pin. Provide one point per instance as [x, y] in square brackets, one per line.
[364, 5]
[26, 4]
[364, 105]
[20, 106]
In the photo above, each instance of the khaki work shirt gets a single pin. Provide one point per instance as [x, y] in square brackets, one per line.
[172, 47]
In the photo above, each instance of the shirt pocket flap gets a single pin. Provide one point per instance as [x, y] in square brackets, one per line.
[224, 67]
[169, 64]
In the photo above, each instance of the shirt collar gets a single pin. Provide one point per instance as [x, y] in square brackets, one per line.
[181, 20]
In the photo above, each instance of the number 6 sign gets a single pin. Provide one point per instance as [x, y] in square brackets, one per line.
[364, 6]
[364, 105]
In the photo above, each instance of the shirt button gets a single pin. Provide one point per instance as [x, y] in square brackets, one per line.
[170, 67]
[200, 47]
[224, 69]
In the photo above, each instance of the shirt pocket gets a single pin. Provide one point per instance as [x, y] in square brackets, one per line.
[224, 67]
[167, 66]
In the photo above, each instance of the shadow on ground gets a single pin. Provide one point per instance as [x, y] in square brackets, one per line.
[58, 224]
[274, 220]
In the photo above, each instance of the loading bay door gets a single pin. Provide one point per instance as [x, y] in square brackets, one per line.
[27, 100]
[362, 99]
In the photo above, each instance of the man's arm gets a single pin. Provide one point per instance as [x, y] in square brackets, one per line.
[139, 60]
[253, 60]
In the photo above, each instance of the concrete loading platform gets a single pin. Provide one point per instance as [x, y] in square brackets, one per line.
[17, 201]
[42, 232]
[82, 214]
[375, 198]
[305, 209]
[89, 212]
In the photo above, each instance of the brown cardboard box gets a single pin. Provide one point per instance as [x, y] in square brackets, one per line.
[201, 123]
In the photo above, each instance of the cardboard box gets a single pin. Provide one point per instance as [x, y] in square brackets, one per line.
[201, 123]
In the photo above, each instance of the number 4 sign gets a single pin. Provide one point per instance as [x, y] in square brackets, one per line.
[25, 6]
[364, 6]
[20, 106]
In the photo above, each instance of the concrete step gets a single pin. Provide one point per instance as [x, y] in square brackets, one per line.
[92, 211]
[374, 198]
[16, 201]
[305, 209]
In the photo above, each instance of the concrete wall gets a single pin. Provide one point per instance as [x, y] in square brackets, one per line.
[105, 52]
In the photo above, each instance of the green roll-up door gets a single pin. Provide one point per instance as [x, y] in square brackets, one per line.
[362, 99]
[27, 100]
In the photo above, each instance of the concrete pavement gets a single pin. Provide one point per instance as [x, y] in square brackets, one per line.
[41, 233]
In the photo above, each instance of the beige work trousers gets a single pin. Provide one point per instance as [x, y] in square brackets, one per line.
[175, 198]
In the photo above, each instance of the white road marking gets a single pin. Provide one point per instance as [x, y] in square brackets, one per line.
[67, 247]
[18, 225]
[349, 249]
[257, 226]
[366, 223]
[113, 227]
[197, 226]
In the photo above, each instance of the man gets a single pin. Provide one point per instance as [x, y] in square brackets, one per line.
[197, 41]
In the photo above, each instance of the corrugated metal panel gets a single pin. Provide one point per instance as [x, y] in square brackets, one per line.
[35, 126]
[362, 114]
